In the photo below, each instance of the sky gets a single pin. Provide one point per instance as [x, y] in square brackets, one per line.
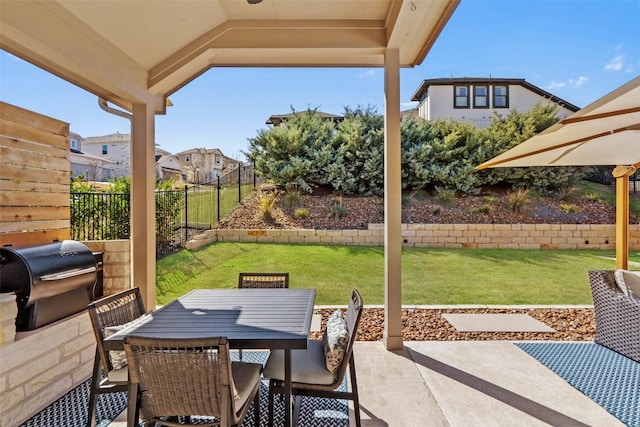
[577, 50]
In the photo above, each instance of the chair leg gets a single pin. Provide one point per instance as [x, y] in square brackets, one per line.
[92, 413]
[297, 402]
[256, 408]
[354, 391]
[270, 406]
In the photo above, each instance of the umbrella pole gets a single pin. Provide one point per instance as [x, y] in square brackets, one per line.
[621, 173]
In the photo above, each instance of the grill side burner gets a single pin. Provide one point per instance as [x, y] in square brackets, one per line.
[51, 281]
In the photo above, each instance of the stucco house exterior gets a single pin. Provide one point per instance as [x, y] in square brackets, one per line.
[200, 165]
[93, 168]
[277, 119]
[476, 99]
[115, 147]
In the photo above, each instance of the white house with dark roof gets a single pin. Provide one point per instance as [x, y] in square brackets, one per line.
[476, 99]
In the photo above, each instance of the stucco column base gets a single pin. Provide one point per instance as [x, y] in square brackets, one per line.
[392, 342]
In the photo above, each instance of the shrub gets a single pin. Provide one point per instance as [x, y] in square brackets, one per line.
[267, 205]
[446, 196]
[519, 199]
[484, 209]
[301, 213]
[569, 193]
[338, 212]
[292, 199]
[492, 200]
[593, 197]
[569, 208]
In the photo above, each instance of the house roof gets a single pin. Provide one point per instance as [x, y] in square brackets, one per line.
[446, 81]
[276, 119]
[143, 51]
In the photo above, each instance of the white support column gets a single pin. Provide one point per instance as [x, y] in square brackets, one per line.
[143, 205]
[392, 336]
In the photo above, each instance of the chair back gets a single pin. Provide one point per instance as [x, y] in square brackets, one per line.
[114, 310]
[263, 280]
[181, 376]
[352, 318]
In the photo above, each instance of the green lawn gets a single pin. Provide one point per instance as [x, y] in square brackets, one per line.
[429, 275]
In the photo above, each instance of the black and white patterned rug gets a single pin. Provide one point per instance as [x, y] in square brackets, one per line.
[71, 409]
[608, 378]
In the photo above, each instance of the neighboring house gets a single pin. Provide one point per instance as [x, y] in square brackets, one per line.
[201, 165]
[277, 119]
[115, 147]
[92, 167]
[476, 99]
[169, 168]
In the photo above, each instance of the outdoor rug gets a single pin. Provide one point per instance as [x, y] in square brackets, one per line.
[608, 378]
[71, 409]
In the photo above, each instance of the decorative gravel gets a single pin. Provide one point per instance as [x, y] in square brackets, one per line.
[571, 324]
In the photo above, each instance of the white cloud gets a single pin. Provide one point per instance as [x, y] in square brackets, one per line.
[615, 64]
[369, 73]
[579, 81]
[555, 85]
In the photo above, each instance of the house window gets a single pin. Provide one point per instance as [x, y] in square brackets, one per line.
[187, 158]
[501, 96]
[74, 143]
[104, 149]
[461, 97]
[481, 97]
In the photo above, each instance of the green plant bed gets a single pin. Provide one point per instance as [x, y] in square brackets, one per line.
[429, 275]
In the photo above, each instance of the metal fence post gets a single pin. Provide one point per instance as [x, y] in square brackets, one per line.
[186, 213]
[218, 204]
[239, 184]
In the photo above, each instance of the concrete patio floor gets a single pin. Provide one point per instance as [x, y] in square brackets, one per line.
[463, 384]
[467, 384]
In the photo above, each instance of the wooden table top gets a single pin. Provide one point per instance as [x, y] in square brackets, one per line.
[249, 318]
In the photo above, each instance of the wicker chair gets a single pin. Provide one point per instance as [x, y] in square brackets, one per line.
[617, 315]
[178, 377]
[309, 374]
[263, 280]
[114, 310]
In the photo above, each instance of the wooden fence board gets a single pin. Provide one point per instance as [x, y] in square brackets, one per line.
[44, 174]
[13, 227]
[26, 133]
[32, 119]
[34, 213]
[33, 186]
[30, 199]
[33, 156]
[34, 237]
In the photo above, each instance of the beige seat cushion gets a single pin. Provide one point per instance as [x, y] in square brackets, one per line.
[119, 375]
[245, 376]
[307, 366]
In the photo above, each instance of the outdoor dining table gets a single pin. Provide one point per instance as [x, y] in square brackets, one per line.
[249, 318]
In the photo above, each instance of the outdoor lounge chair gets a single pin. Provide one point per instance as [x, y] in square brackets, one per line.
[111, 311]
[263, 280]
[617, 315]
[178, 377]
[309, 372]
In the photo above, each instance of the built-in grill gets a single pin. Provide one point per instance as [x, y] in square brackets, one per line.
[51, 281]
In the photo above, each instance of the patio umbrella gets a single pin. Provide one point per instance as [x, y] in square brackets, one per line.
[606, 132]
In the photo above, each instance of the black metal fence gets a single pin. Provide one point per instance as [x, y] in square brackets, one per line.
[180, 214]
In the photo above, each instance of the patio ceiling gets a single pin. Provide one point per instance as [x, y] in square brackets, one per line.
[143, 51]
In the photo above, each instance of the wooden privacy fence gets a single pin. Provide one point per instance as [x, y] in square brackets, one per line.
[34, 177]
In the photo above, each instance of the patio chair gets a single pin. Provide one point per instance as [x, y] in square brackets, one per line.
[309, 372]
[110, 373]
[263, 280]
[617, 315]
[189, 377]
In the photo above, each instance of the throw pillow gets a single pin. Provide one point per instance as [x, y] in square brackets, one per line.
[632, 282]
[335, 341]
[118, 358]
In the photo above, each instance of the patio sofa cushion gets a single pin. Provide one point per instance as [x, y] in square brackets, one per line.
[120, 375]
[335, 340]
[628, 282]
[307, 366]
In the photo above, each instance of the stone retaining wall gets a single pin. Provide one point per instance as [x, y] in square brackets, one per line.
[512, 236]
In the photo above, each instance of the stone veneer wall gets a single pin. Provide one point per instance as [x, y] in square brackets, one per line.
[40, 366]
[514, 236]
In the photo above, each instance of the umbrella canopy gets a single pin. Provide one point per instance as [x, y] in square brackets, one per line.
[606, 132]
